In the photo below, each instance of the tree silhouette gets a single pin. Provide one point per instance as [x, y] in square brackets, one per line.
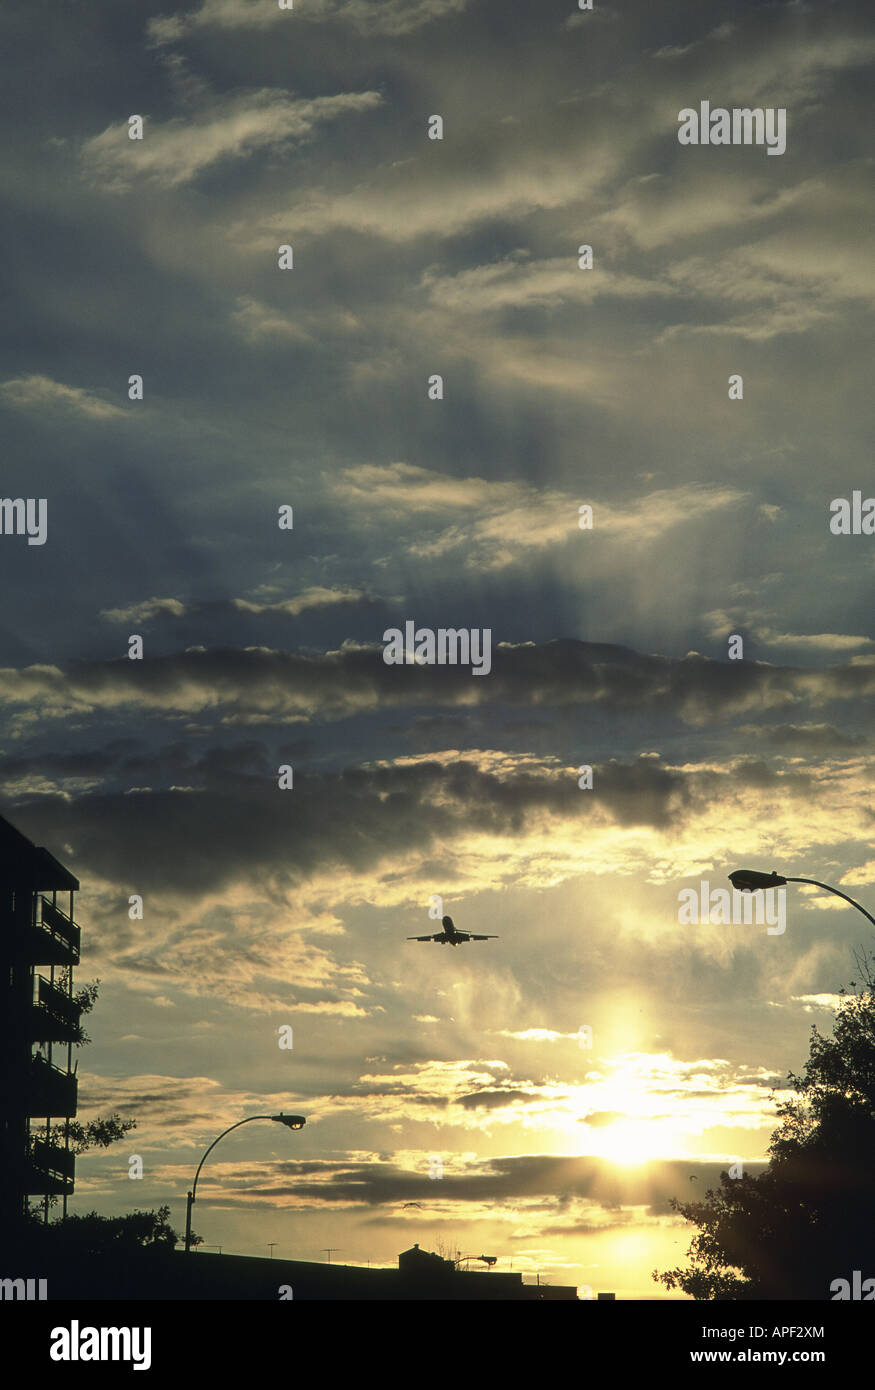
[808, 1218]
[94, 1235]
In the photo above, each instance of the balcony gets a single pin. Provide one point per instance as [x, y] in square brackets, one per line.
[38, 1091]
[55, 1017]
[54, 940]
[51, 1093]
[50, 1170]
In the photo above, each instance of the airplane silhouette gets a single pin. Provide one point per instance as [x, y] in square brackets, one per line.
[449, 935]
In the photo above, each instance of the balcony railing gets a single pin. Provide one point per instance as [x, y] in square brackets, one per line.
[57, 1002]
[50, 1169]
[54, 1016]
[58, 924]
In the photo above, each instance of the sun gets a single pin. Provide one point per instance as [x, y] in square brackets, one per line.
[627, 1142]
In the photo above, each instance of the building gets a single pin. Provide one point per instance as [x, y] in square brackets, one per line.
[415, 1264]
[39, 1023]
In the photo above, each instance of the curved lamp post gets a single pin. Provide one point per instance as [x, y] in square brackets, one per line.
[750, 880]
[293, 1122]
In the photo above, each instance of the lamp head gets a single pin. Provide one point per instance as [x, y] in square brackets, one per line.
[750, 880]
[293, 1121]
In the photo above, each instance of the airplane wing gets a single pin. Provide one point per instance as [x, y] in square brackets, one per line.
[438, 937]
[471, 937]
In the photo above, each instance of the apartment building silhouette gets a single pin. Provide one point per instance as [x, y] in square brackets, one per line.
[39, 1023]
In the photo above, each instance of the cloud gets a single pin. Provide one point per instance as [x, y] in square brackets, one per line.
[223, 824]
[785, 282]
[722, 622]
[517, 283]
[815, 641]
[390, 18]
[146, 611]
[723, 31]
[668, 211]
[432, 195]
[317, 596]
[245, 874]
[34, 392]
[502, 520]
[496, 1100]
[590, 1189]
[863, 873]
[260, 323]
[674, 1096]
[800, 739]
[252, 685]
[231, 127]
[173, 1111]
[831, 1003]
[536, 1035]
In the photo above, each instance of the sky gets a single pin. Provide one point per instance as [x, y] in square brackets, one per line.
[262, 647]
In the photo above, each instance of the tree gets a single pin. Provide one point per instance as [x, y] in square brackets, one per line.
[448, 1249]
[94, 1235]
[99, 1133]
[808, 1218]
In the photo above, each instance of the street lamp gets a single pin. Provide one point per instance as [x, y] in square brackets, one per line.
[751, 880]
[292, 1121]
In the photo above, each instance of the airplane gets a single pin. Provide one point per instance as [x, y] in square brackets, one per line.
[449, 935]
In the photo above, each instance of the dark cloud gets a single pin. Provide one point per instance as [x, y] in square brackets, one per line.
[806, 739]
[233, 823]
[534, 1177]
[497, 1100]
[254, 683]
